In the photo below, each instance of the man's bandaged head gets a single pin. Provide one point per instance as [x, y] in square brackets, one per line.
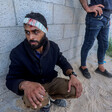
[37, 20]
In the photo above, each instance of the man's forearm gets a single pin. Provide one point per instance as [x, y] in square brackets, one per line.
[84, 4]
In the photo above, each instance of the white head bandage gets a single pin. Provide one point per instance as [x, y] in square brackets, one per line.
[36, 23]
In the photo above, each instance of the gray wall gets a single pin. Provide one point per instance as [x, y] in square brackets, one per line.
[66, 26]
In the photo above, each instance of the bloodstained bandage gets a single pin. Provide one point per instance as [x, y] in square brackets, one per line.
[35, 23]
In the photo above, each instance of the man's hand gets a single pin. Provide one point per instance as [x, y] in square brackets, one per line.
[97, 9]
[34, 92]
[76, 83]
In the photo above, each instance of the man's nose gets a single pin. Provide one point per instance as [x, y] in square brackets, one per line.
[31, 36]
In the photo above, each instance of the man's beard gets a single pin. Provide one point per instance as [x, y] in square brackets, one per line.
[40, 43]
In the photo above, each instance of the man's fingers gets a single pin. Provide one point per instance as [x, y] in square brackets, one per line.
[100, 5]
[43, 88]
[97, 9]
[40, 97]
[78, 90]
[32, 102]
[37, 102]
[40, 86]
[78, 95]
[100, 11]
[42, 92]
[69, 87]
[96, 13]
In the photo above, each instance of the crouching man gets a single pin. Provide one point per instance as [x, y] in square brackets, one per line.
[31, 72]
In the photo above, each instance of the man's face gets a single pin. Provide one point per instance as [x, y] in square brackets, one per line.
[33, 34]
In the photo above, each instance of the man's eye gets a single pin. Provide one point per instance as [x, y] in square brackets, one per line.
[27, 32]
[36, 32]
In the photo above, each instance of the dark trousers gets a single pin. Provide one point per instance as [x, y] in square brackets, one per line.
[96, 27]
[57, 89]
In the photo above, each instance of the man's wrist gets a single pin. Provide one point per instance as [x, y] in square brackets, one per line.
[72, 74]
[87, 9]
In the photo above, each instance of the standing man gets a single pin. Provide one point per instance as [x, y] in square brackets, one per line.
[31, 72]
[97, 26]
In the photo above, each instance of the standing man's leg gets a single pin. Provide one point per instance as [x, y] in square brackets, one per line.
[102, 47]
[93, 27]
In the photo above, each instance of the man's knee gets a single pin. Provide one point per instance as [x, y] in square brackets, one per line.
[60, 89]
[72, 93]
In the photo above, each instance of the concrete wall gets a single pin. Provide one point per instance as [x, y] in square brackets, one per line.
[66, 26]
